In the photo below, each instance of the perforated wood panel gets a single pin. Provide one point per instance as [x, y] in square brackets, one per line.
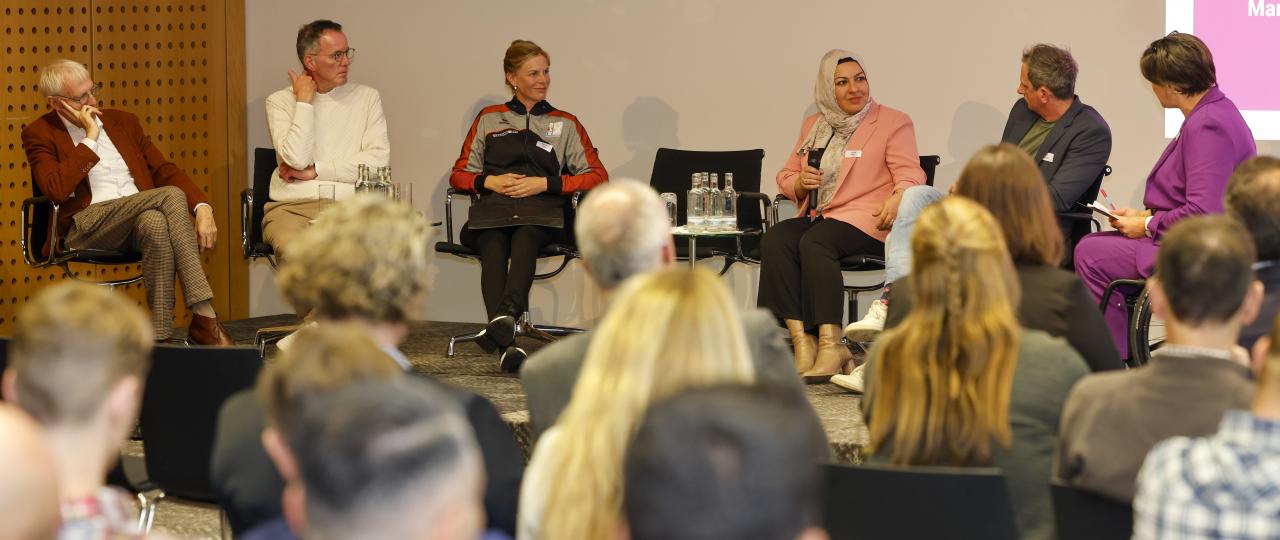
[164, 61]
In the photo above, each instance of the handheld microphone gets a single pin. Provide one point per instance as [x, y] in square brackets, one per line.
[814, 159]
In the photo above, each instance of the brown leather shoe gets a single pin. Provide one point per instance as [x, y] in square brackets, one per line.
[208, 331]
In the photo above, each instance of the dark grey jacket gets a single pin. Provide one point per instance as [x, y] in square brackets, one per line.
[1080, 143]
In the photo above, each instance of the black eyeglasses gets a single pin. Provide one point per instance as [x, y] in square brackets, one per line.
[83, 99]
[349, 54]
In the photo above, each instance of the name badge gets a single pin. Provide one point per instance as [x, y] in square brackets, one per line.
[554, 129]
[544, 145]
[853, 153]
[1048, 157]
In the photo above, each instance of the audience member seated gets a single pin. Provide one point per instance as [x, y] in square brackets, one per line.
[1004, 180]
[80, 373]
[116, 190]
[667, 331]
[855, 206]
[1187, 180]
[367, 261]
[726, 462]
[1068, 142]
[323, 128]
[959, 382]
[622, 231]
[1223, 485]
[1205, 292]
[390, 459]
[1253, 198]
[522, 158]
[28, 493]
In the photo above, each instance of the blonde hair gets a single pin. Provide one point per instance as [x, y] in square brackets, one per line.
[1004, 180]
[941, 386]
[323, 358]
[53, 77]
[71, 343]
[366, 258]
[667, 331]
[519, 52]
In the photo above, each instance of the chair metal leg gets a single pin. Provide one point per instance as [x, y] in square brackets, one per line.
[460, 338]
[559, 331]
[271, 334]
[148, 501]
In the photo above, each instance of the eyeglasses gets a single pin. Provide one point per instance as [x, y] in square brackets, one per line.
[349, 54]
[84, 99]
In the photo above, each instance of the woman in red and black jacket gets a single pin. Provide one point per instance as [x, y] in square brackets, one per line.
[525, 158]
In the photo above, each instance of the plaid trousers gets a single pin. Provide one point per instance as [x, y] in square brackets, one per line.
[155, 222]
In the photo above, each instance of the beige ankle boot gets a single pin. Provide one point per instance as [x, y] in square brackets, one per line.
[832, 355]
[803, 345]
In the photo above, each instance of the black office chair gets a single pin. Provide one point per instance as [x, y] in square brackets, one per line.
[1076, 224]
[880, 502]
[1081, 515]
[671, 174]
[184, 392]
[40, 230]
[253, 202]
[866, 263]
[524, 325]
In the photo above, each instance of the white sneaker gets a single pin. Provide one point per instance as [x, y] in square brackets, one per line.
[871, 325]
[852, 382]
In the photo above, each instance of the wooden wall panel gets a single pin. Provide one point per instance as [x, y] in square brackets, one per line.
[165, 61]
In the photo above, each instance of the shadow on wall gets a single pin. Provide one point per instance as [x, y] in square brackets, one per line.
[648, 124]
[437, 199]
[973, 126]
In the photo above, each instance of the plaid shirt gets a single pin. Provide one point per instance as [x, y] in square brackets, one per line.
[1223, 486]
[108, 514]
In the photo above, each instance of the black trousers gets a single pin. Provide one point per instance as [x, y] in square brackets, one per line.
[508, 257]
[800, 268]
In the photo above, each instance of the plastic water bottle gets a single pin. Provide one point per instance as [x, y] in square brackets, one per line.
[362, 178]
[729, 205]
[696, 209]
[715, 204]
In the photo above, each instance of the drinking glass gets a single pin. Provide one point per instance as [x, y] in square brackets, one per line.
[669, 199]
[402, 193]
[325, 194]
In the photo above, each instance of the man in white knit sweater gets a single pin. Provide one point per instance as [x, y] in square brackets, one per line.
[322, 128]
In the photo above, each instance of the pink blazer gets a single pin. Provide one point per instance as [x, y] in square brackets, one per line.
[885, 143]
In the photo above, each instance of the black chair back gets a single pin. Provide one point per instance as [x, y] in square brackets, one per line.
[1078, 222]
[874, 502]
[930, 166]
[37, 231]
[4, 354]
[264, 163]
[671, 174]
[185, 390]
[1081, 515]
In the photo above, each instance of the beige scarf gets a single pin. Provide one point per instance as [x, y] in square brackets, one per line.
[835, 125]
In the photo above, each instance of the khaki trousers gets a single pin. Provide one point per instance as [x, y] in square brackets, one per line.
[282, 221]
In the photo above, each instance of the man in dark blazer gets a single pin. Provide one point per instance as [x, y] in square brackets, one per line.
[116, 191]
[622, 231]
[1205, 293]
[1068, 140]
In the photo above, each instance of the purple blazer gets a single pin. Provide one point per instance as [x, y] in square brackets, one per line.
[1192, 174]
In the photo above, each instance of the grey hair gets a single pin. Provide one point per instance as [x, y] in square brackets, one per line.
[1051, 67]
[55, 76]
[621, 230]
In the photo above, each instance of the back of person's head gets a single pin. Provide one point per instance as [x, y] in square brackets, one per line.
[75, 346]
[309, 36]
[323, 359]
[622, 230]
[389, 460]
[1051, 67]
[28, 479]
[1205, 268]
[665, 331]
[1179, 60]
[1253, 198]
[941, 386]
[366, 258]
[725, 462]
[1004, 180]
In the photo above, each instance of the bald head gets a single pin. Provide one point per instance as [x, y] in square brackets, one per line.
[28, 485]
[622, 230]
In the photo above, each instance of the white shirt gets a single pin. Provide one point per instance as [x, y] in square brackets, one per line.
[110, 177]
[336, 132]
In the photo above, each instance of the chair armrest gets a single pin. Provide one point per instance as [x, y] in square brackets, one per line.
[763, 203]
[1082, 216]
[246, 211]
[448, 209]
[27, 255]
[576, 198]
[778, 201]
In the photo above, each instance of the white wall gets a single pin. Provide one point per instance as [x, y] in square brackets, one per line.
[704, 74]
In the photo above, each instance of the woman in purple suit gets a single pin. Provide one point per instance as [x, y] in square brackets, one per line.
[1189, 178]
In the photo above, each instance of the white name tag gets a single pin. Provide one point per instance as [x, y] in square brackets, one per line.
[1048, 157]
[853, 153]
[544, 145]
